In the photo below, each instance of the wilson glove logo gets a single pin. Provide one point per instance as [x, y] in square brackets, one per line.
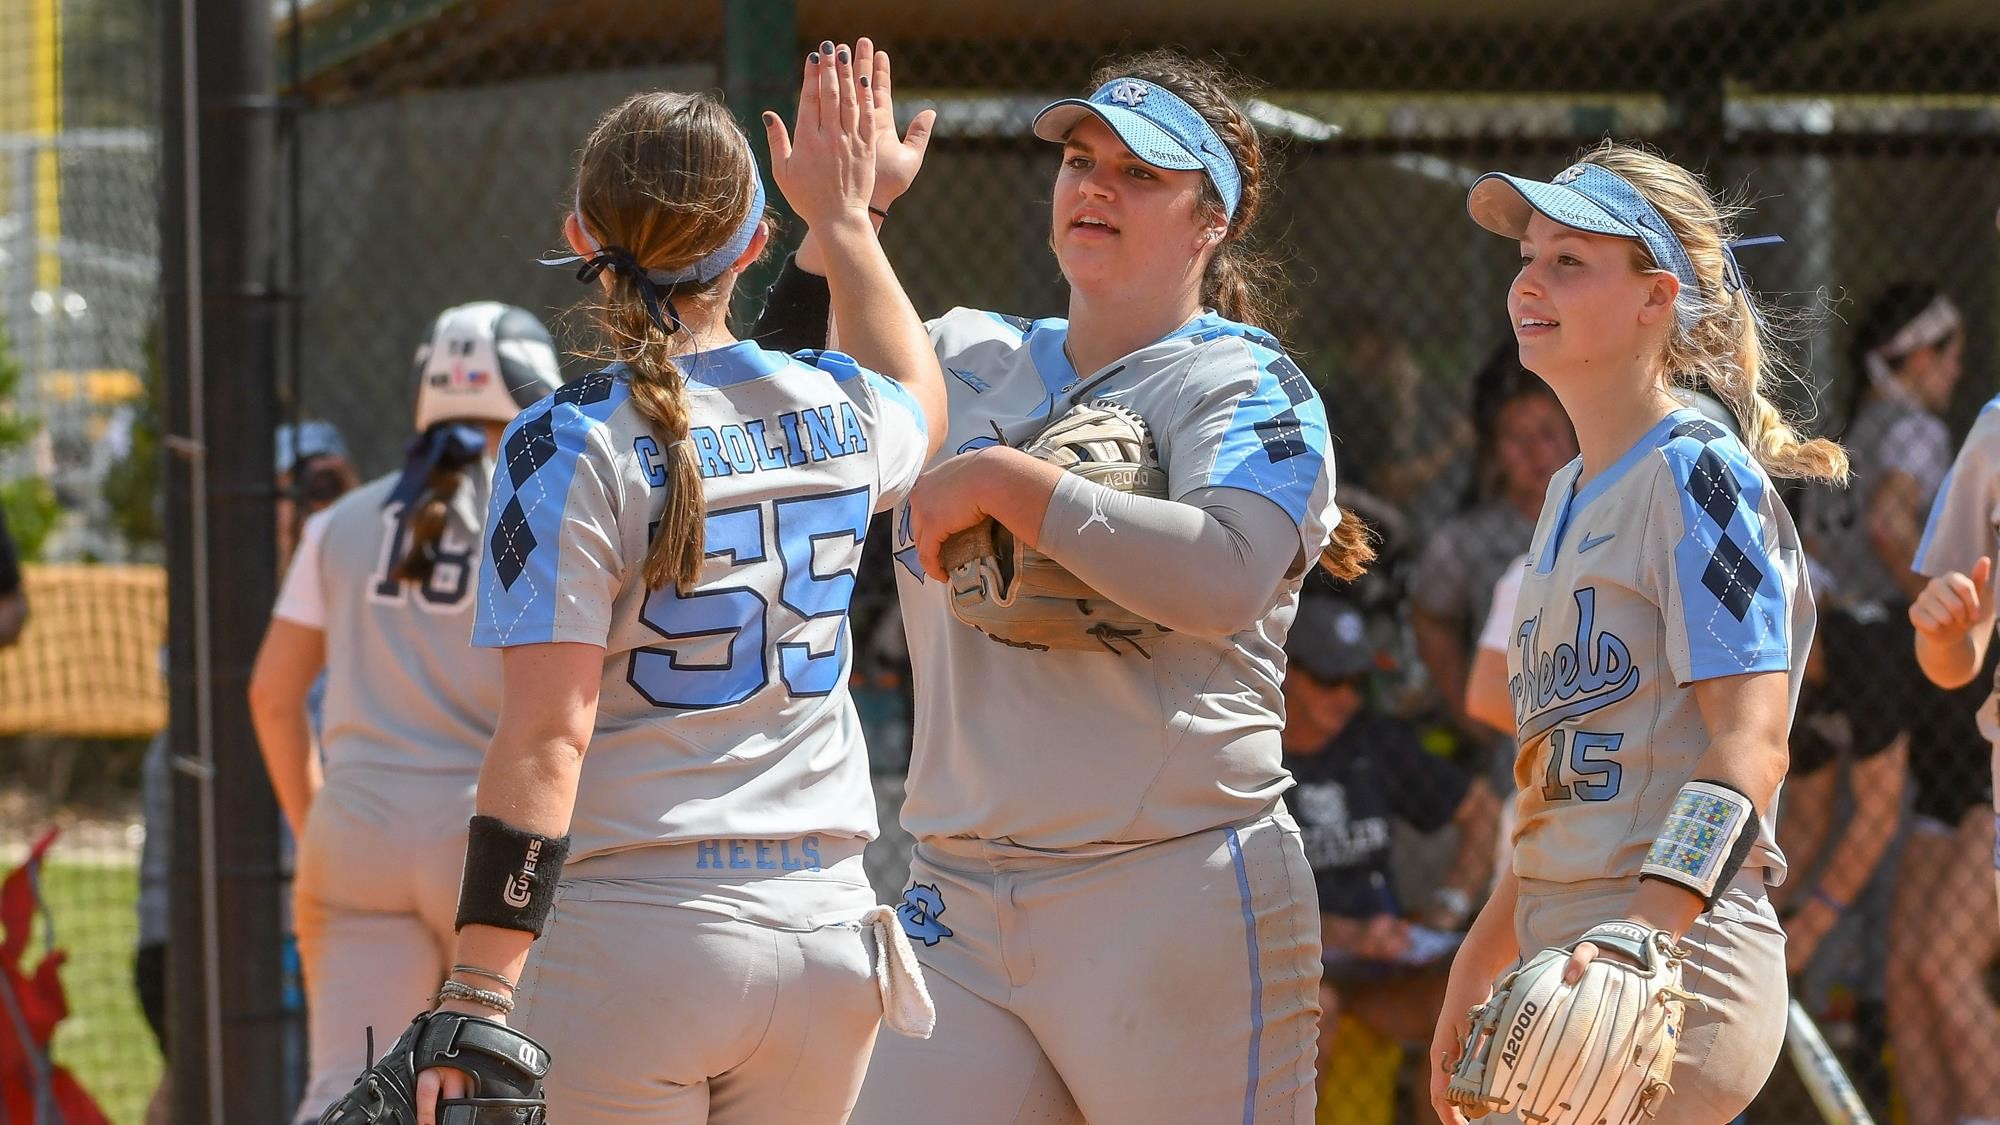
[520, 889]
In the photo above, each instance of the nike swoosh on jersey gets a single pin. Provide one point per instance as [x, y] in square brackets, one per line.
[1587, 542]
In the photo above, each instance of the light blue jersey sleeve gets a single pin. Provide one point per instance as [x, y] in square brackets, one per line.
[891, 418]
[1254, 423]
[1726, 594]
[1963, 519]
[552, 566]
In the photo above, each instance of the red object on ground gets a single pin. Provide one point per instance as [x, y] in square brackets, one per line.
[38, 1003]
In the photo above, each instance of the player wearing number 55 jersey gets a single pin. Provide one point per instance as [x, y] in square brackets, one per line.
[1654, 660]
[379, 594]
[673, 541]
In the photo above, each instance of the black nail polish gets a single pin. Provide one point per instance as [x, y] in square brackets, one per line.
[864, 82]
[843, 56]
[826, 46]
[813, 58]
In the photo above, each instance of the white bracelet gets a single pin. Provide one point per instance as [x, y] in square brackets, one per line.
[453, 990]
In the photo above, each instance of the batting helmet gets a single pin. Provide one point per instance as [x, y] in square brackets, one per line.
[483, 362]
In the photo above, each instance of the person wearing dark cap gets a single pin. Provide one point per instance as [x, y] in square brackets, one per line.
[1358, 769]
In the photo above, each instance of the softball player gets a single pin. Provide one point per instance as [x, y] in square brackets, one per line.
[1954, 624]
[1663, 622]
[1112, 907]
[674, 540]
[379, 594]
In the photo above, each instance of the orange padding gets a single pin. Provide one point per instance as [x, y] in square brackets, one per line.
[89, 662]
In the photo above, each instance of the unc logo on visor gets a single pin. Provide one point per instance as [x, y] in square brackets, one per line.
[1569, 175]
[1130, 93]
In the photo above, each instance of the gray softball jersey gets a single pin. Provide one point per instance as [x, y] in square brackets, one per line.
[1095, 750]
[1677, 564]
[725, 712]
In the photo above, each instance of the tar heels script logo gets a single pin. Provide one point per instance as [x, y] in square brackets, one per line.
[1592, 670]
[1130, 93]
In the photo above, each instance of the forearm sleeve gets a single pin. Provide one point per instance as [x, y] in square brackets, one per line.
[1207, 564]
[797, 309]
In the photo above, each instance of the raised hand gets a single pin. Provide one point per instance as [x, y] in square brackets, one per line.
[1953, 603]
[897, 159]
[826, 167]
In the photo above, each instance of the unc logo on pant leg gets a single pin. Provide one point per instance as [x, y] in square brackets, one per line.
[919, 914]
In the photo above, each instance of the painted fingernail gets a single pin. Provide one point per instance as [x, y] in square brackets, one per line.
[826, 46]
[813, 58]
[864, 81]
[843, 56]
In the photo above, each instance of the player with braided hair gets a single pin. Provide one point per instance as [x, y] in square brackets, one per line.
[676, 799]
[379, 595]
[1654, 662]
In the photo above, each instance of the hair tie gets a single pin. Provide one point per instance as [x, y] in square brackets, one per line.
[447, 445]
[1733, 281]
[621, 261]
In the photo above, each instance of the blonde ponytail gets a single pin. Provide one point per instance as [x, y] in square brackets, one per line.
[1767, 434]
[1723, 344]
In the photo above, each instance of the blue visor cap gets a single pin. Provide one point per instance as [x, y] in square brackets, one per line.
[1586, 197]
[1157, 126]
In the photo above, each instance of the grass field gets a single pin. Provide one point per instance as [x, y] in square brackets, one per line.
[105, 1042]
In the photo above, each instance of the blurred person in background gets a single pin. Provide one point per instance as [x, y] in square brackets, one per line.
[13, 602]
[1523, 437]
[1358, 770]
[1393, 444]
[377, 599]
[1907, 353]
[1953, 618]
[314, 470]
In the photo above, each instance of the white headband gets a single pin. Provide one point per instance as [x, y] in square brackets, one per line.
[1936, 324]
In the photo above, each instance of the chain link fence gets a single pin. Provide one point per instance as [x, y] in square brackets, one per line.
[426, 160]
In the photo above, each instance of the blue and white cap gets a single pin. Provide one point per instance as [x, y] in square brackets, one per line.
[1157, 126]
[1590, 198]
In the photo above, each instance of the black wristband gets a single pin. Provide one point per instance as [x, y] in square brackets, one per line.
[510, 876]
[878, 212]
[797, 309]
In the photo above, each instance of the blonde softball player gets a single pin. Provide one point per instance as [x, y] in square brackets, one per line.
[1661, 629]
[673, 543]
[379, 594]
[1112, 907]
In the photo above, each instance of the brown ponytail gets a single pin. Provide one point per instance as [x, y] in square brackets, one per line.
[1347, 555]
[425, 522]
[666, 177]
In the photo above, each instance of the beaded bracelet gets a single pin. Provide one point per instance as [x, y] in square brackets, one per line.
[453, 990]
